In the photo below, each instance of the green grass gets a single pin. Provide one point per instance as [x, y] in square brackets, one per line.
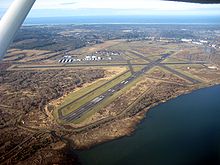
[92, 95]
[106, 102]
[75, 95]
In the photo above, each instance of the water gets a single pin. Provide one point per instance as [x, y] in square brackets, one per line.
[183, 131]
[125, 20]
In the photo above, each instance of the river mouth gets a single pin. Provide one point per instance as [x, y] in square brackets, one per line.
[183, 131]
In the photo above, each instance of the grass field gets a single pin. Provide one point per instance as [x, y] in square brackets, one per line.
[106, 102]
[90, 96]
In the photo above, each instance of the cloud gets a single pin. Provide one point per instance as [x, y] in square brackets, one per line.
[120, 7]
[69, 3]
[122, 4]
[198, 1]
[116, 4]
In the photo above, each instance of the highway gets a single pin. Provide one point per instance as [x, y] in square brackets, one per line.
[88, 106]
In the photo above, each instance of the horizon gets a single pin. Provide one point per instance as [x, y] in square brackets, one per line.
[122, 20]
[68, 8]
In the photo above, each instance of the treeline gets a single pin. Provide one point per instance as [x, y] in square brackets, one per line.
[29, 90]
[45, 38]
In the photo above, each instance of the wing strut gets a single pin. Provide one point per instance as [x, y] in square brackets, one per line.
[11, 22]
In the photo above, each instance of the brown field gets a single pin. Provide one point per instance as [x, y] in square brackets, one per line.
[30, 96]
[91, 49]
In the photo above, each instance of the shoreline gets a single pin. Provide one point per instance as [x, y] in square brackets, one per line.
[133, 121]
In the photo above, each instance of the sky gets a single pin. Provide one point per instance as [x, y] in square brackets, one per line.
[55, 8]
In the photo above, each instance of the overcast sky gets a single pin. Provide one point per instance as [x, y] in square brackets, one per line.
[49, 8]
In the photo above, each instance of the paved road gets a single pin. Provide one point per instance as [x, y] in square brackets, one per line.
[69, 66]
[92, 65]
[184, 63]
[139, 55]
[130, 66]
[194, 81]
[88, 106]
[163, 65]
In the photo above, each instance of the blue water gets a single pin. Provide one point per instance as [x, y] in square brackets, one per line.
[183, 131]
[126, 20]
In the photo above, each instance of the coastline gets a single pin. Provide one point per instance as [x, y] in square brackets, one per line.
[181, 123]
[125, 126]
[122, 19]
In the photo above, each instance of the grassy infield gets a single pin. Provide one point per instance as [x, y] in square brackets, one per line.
[74, 95]
[93, 95]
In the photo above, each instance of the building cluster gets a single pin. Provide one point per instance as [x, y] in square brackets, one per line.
[92, 58]
[171, 40]
[68, 59]
[97, 56]
[108, 53]
[200, 42]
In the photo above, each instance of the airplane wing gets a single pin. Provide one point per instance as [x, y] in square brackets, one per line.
[198, 1]
[11, 22]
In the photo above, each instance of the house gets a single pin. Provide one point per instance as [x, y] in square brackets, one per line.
[88, 58]
[186, 40]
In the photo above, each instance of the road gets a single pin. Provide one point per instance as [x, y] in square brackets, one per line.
[139, 55]
[147, 63]
[130, 66]
[194, 81]
[88, 106]
[106, 94]
[18, 66]
[163, 65]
